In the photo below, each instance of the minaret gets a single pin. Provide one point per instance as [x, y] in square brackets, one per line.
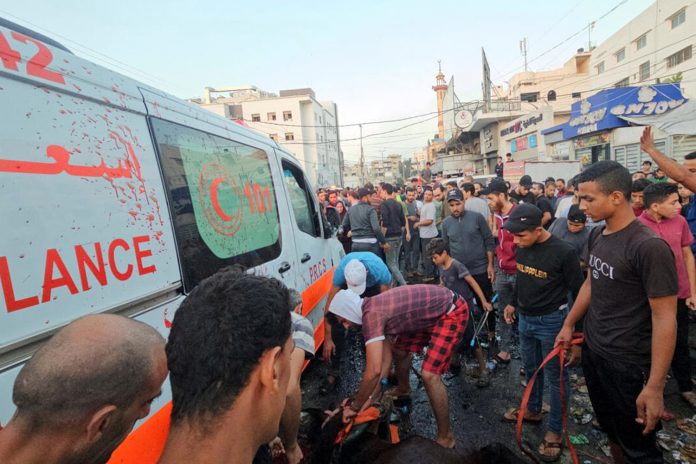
[440, 88]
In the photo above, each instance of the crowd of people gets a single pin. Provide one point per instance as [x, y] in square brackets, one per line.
[607, 254]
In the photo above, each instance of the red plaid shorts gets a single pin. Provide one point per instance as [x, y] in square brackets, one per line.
[441, 340]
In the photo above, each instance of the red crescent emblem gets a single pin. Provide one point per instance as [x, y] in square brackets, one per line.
[211, 177]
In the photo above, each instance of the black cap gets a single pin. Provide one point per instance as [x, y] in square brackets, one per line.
[526, 181]
[576, 215]
[455, 194]
[524, 216]
[363, 192]
[495, 186]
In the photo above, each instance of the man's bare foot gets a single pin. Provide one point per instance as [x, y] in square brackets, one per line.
[294, 455]
[446, 442]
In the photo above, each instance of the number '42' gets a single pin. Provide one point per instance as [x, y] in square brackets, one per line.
[36, 66]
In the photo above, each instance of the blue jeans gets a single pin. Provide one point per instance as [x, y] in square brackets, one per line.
[412, 252]
[393, 259]
[537, 337]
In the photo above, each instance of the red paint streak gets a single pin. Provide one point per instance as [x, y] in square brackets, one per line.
[77, 88]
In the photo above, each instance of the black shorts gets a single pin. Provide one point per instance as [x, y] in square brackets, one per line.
[613, 387]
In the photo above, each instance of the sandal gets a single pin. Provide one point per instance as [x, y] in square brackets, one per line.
[556, 446]
[512, 414]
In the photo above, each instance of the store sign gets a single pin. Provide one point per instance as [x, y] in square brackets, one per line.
[523, 143]
[591, 141]
[604, 109]
[490, 142]
[522, 125]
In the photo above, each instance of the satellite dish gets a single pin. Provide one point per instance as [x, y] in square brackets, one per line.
[463, 119]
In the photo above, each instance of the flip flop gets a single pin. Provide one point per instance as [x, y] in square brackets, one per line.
[510, 416]
[548, 445]
[498, 360]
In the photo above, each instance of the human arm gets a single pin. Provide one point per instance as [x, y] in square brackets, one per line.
[489, 243]
[688, 257]
[580, 306]
[673, 169]
[650, 401]
[290, 420]
[329, 346]
[479, 293]
[545, 218]
[376, 229]
[370, 379]
[572, 273]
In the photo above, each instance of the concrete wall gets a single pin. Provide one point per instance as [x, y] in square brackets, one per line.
[662, 41]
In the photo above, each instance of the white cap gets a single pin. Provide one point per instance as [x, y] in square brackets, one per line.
[356, 276]
[348, 305]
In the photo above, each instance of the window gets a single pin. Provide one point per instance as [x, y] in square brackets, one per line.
[303, 207]
[256, 117]
[225, 210]
[600, 68]
[576, 95]
[551, 96]
[677, 58]
[287, 115]
[620, 55]
[529, 97]
[273, 137]
[271, 116]
[622, 83]
[289, 136]
[678, 18]
[644, 71]
[641, 41]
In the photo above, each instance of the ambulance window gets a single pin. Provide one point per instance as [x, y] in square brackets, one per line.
[222, 199]
[301, 199]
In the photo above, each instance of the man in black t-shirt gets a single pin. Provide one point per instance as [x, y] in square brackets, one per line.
[522, 193]
[547, 270]
[629, 301]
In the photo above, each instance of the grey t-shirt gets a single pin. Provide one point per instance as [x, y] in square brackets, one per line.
[579, 241]
[453, 278]
[428, 212]
[478, 205]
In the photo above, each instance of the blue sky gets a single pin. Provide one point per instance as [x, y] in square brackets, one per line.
[376, 60]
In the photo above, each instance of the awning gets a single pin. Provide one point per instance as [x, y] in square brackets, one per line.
[679, 121]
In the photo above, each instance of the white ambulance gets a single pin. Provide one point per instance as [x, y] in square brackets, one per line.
[116, 197]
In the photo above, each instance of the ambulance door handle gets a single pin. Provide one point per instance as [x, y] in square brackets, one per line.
[284, 267]
[305, 258]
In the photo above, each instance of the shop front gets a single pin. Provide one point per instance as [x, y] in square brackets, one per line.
[598, 131]
[489, 147]
[522, 137]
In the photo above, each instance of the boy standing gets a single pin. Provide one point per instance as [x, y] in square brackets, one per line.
[661, 215]
[629, 301]
[455, 276]
[547, 270]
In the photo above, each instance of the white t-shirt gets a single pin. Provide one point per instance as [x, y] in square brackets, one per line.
[428, 212]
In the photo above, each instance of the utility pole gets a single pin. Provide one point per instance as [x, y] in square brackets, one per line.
[523, 50]
[362, 158]
[384, 170]
[589, 35]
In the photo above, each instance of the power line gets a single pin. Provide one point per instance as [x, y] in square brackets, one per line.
[386, 121]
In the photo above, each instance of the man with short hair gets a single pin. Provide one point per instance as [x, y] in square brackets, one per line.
[361, 220]
[402, 321]
[560, 188]
[547, 271]
[394, 223]
[438, 201]
[574, 231]
[427, 230]
[412, 244]
[547, 203]
[81, 393]
[537, 190]
[470, 241]
[662, 216]
[229, 355]
[629, 301]
[521, 194]
[638, 175]
[646, 168]
[508, 157]
[659, 176]
[637, 188]
[427, 174]
[563, 205]
[500, 167]
[505, 264]
[476, 204]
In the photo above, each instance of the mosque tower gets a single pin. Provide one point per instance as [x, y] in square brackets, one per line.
[440, 88]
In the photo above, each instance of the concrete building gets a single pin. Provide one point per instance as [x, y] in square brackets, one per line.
[294, 118]
[644, 69]
[512, 119]
[389, 169]
[351, 176]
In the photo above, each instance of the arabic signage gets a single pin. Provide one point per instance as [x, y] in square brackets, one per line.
[514, 170]
[591, 141]
[523, 143]
[522, 125]
[603, 110]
